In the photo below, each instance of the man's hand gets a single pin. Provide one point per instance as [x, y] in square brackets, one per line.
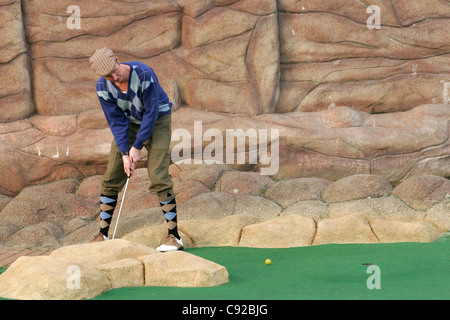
[135, 155]
[128, 165]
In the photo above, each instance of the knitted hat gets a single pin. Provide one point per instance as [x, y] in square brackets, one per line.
[103, 61]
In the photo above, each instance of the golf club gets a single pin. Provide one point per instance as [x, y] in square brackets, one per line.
[121, 204]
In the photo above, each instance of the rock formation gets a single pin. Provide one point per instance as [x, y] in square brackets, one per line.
[271, 64]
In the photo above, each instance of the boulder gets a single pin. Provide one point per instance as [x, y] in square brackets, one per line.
[55, 202]
[211, 205]
[98, 253]
[244, 183]
[439, 215]
[50, 278]
[153, 236]
[290, 191]
[404, 231]
[256, 206]
[423, 192]
[182, 269]
[221, 232]
[357, 187]
[123, 273]
[281, 232]
[389, 207]
[346, 229]
[315, 209]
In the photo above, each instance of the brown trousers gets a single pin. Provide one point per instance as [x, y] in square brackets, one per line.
[158, 162]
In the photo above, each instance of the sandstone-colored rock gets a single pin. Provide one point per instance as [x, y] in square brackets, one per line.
[15, 92]
[43, 234]
[263, 61]
[256, 206]
[92, 119]
[290, 191]
[244, 183]
[346, 229]
[135, 220]
[439, 215]
[280, 232]
[389, 207]
[423, 192]
[211, 205]
[310, 38]
[215, 25]
[309, 208]
[55, 126]
[154, 235]
[188, 189]
[222, 232]
[182, 269]
[404, 231]
[206, 174]
[52, 202]
[234, 97]
[123, 273]
[357, 187]
[98, 253]
[50, 278]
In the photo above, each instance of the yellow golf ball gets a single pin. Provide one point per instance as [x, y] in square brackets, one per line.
[268, 261]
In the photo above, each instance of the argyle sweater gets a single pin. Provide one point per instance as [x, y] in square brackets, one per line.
[144, 102]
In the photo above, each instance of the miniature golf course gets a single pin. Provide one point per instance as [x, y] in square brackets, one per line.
[406, 271]
[333, 271]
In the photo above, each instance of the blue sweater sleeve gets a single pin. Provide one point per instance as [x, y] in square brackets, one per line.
[117, 122]
[150, 97]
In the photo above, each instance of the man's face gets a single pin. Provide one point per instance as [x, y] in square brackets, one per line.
[117, 74]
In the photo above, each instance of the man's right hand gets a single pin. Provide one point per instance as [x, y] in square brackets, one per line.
[128, 166]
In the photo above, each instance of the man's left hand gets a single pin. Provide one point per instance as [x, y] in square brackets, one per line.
[135, 155]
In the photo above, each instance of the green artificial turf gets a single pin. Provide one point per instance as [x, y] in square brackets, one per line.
[332, 271]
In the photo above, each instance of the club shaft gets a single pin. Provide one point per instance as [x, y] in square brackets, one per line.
[121, 204]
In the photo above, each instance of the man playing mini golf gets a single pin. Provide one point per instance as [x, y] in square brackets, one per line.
[138, 112]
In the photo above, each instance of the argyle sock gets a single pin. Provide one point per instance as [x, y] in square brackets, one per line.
[107, 206]
[169, 209]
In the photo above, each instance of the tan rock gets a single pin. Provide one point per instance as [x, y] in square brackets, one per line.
[263, 61]
[40, 203]
[123, 273]
[244, 183]
[280, 232]
[309, 208]
[55, 126]
[153, 236]
[256, 206]
[50, 278]
[92, 119]
[98, 253]
[211, 205]
[389, 207]
[215, 25]
[206, 174]
[222, 232]
[15, 94]
[346, 229]
[182, 269]
[188, 189]
[423, 192]
[404, 231]
[357, 187]
[289, 191]
[439, 215]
